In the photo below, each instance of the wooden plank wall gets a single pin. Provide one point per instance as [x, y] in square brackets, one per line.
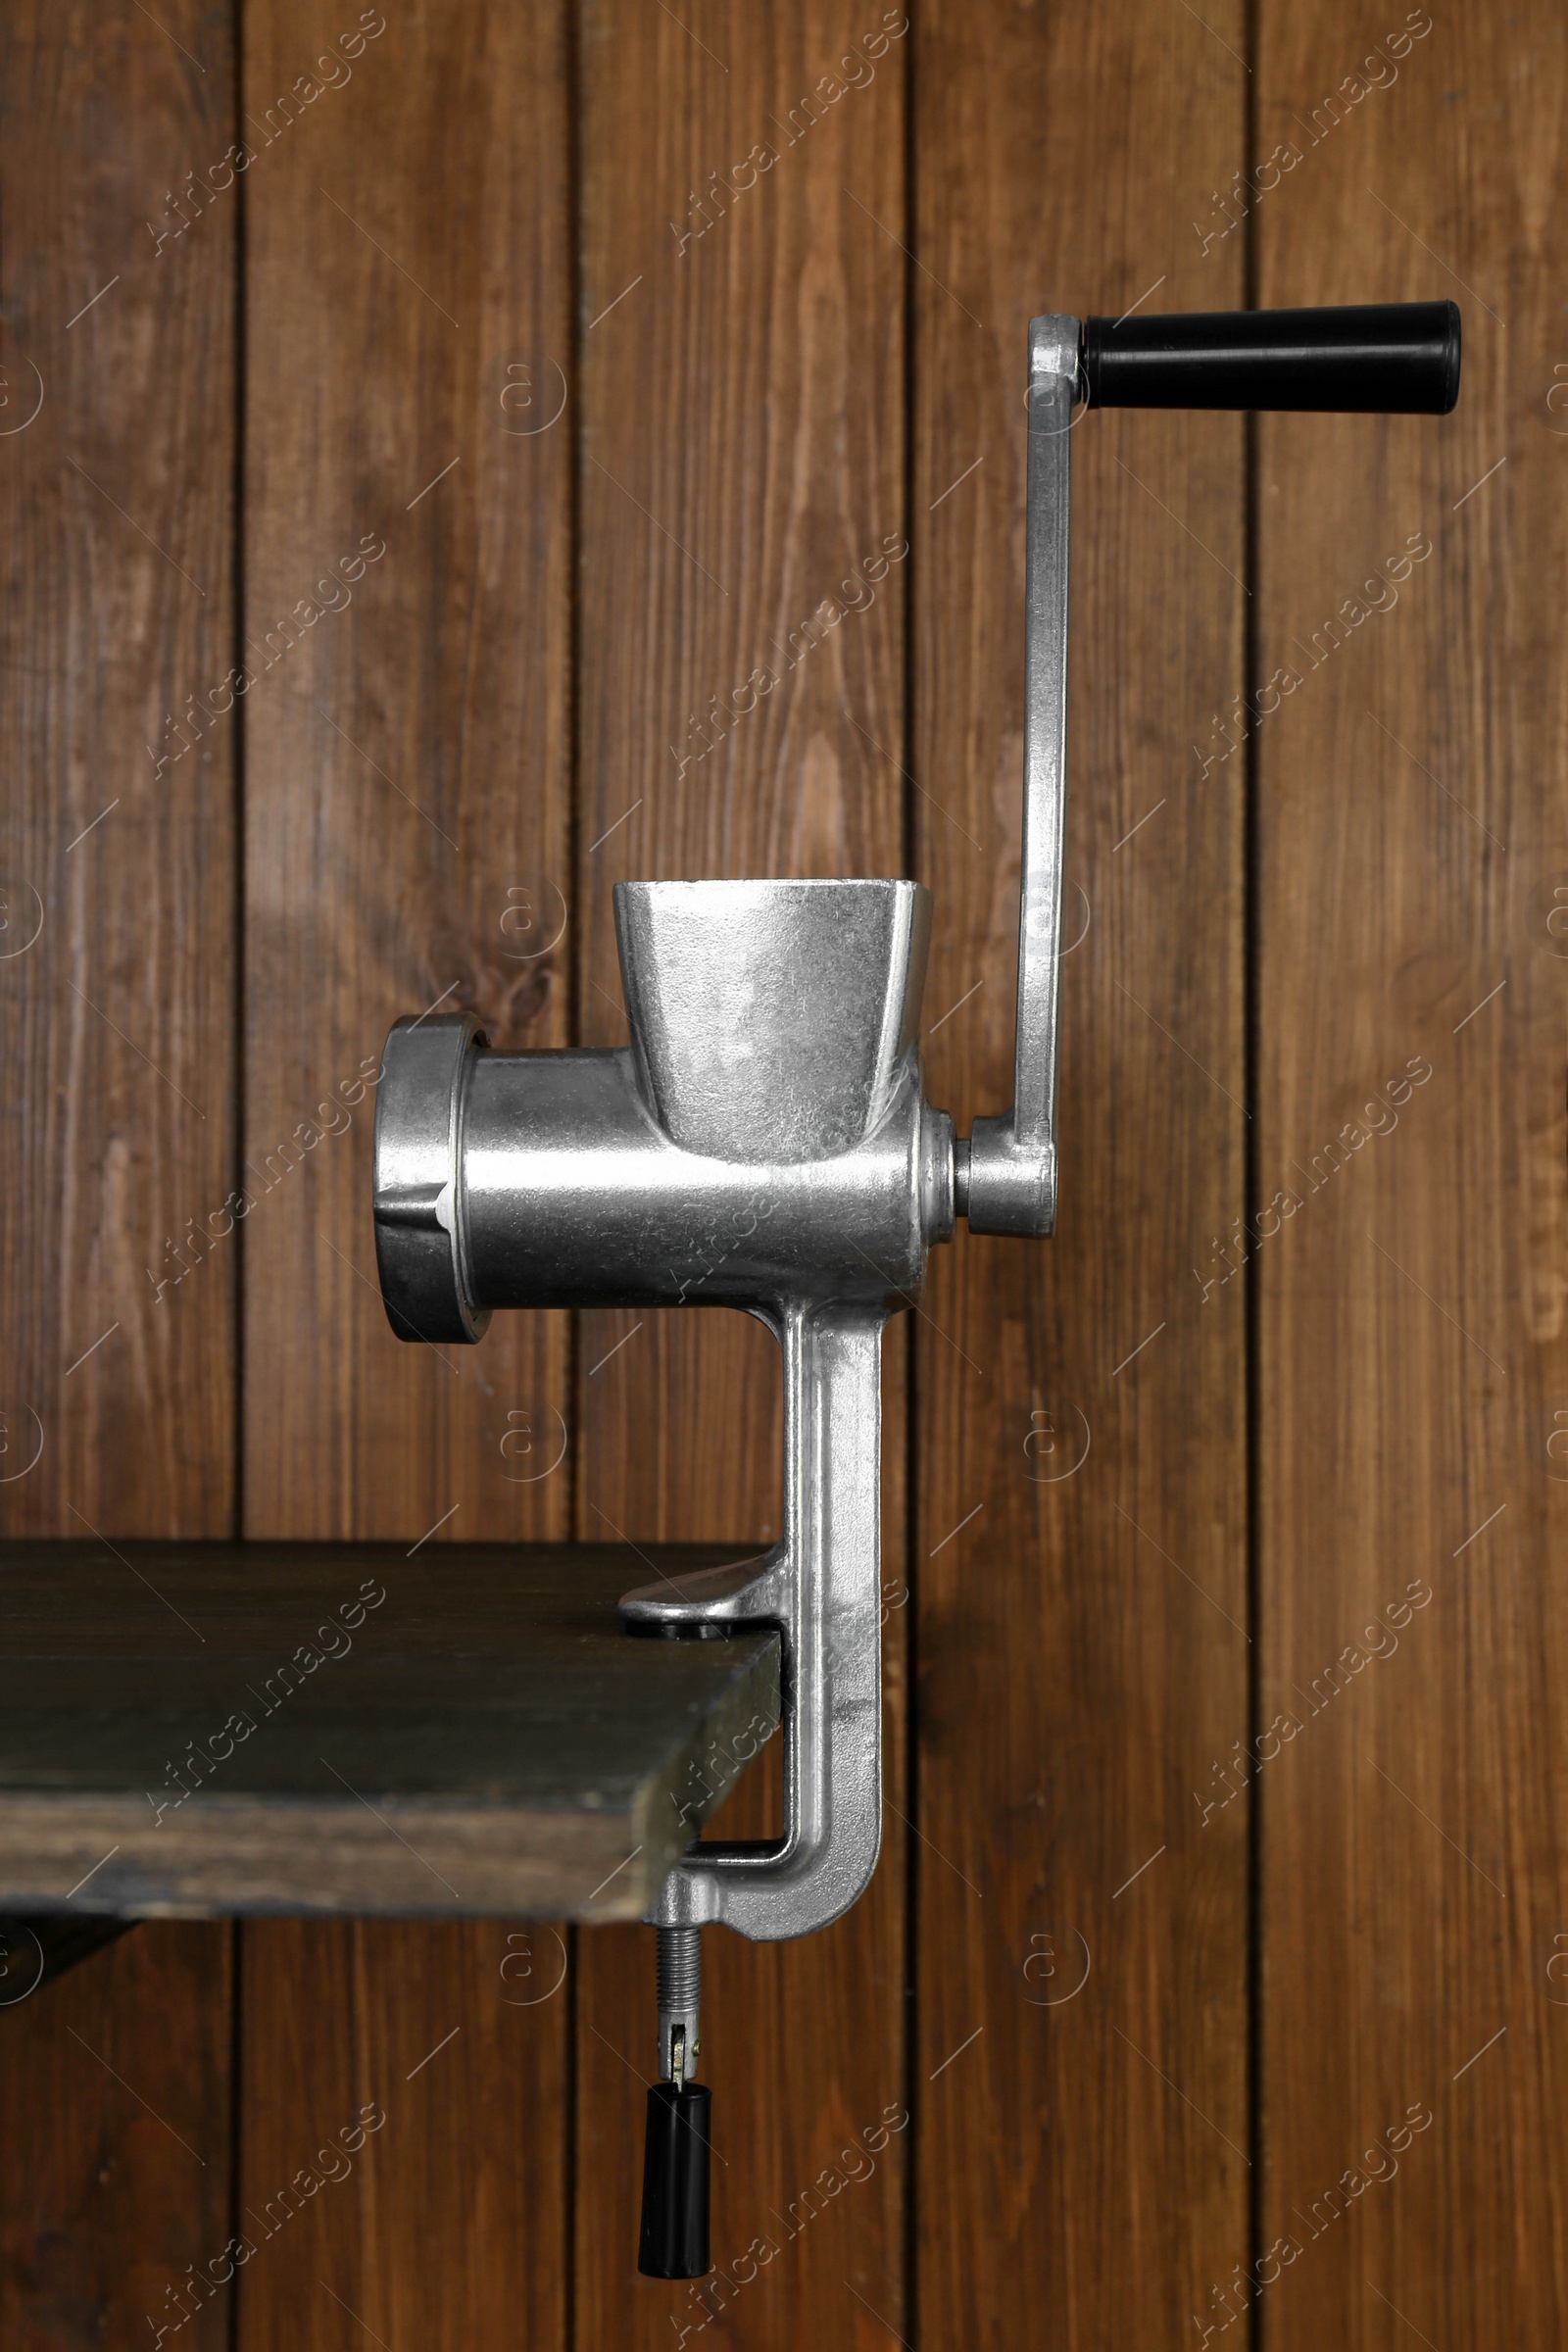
[1081, 1533]
[407, 838]
[501, 424]
[117, 996]
[1411, 832]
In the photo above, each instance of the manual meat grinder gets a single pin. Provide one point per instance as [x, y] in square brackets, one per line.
[764, 1142]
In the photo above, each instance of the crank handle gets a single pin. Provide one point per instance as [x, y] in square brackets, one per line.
[1384, 357]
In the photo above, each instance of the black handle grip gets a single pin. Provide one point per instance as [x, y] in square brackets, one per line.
[1400, 357]
[673, 2243]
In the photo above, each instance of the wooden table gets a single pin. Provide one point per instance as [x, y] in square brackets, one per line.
[206, 1729]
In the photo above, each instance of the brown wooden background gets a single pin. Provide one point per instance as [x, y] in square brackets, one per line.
[499, 303]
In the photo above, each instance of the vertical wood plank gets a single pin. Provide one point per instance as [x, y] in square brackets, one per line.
[406, 817]
[1081, 2158]
[115, 2205]
[1413, 835]
[409, 2184]
[742, 676]
[406, 614]
[117, 1397]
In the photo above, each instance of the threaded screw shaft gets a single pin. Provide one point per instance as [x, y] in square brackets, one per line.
[680, 1989]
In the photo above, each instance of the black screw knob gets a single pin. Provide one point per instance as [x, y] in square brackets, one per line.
[674, 2233]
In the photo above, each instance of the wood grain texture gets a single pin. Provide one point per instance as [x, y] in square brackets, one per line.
[1412, 831]
[404, 748]
[116, 1024]
[468, 1732]
[1080, 1566]
[446, 2225]
[408, 260]
[741, 667]
[119, 1016]
[118, 2095]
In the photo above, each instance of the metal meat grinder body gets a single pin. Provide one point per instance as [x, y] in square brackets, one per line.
[764, 1142]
